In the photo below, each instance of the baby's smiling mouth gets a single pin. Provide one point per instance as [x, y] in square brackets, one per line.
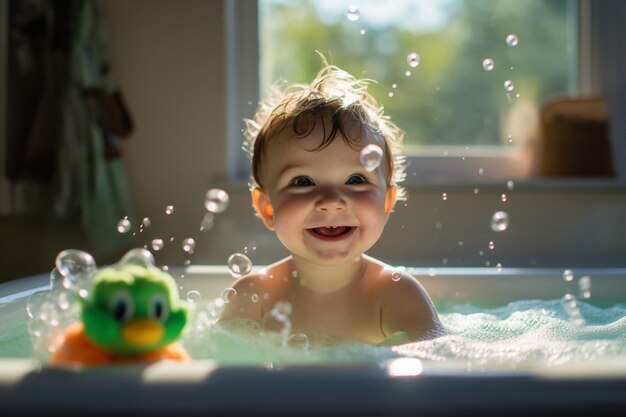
[331, 232]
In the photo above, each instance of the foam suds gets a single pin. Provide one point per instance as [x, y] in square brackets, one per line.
[521, 335]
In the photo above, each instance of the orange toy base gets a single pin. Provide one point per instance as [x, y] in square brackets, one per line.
[77, 349]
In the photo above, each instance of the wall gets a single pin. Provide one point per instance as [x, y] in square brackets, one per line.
[168, 57]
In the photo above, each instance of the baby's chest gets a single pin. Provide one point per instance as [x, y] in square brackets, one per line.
[344, 317]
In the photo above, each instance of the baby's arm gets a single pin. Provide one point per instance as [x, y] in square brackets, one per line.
[406, 307]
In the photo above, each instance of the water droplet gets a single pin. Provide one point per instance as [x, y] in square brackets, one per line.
[396, 276]
[194, 296]
[123, 226]
[169, 210]
[444, 196]
[75, 266]
[499, 221]
[568, 275]
[509, 86]
[239, 264]
[228, 295]
[146, 222]
[488, 64]
[413, 59]
[584, 287]
[216, 200]
[188, 245]
[510, 185]
[207, 222]
[512, 40]
[371, 157]
[157, 244]
[353, 14]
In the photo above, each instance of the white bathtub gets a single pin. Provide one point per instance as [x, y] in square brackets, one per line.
[204, 388]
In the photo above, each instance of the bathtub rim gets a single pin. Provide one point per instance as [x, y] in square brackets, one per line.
[203, 387]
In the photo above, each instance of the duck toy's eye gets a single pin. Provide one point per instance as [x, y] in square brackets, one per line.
[158, 307]
[121, 306]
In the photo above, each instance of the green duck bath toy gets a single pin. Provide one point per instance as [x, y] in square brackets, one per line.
[132, 313]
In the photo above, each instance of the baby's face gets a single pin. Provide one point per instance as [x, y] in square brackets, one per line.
[327, 208]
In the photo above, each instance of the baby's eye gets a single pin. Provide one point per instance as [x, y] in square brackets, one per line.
[302, 181]
[356, 179]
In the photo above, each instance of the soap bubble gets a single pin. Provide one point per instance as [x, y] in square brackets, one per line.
[353, 13]
[371, 157]
[512, 40]
[499, 221]
[34, 303]
[568, 275]
[298, 341]
[216, 200]
[492, 246]
[75, 266]
[56, 279]
[157, 244]
[123, 226]
[146, 222]
[193, 296]
[140, 257]
[254, 298]
[509, 86]
[488, 64]
[188, 245]
[239, 264]
[413, 59]
[169, 210]
[228, 295]
[282, 308]
[444, 196]
[510, 185]
[396, 276]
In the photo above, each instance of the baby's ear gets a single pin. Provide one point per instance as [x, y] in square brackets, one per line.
[263, 207]
[390, 198]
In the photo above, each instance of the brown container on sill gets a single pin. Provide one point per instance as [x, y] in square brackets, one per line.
[575, 138]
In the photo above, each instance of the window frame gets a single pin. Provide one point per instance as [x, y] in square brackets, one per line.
[446, 164]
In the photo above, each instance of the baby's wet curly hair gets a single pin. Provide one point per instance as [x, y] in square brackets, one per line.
[335, 99]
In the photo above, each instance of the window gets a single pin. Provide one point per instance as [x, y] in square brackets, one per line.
[465, 79]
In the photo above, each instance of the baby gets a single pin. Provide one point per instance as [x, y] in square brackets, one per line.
[328, 206]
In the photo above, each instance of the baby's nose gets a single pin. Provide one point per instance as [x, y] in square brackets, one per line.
[330, 201]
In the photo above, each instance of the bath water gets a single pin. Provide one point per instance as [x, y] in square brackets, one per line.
[520, 335]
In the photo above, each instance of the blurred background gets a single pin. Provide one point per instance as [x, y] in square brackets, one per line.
[118, 117]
